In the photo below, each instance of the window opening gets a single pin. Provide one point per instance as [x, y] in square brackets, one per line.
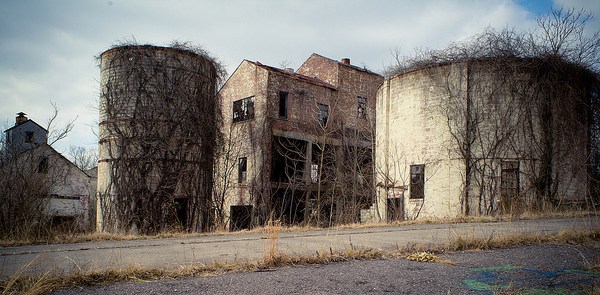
[43, 165]
[243, 109]
[29, 137]
[323, 112]
[509, 179]
[283, 101]
[417, 181]
[242, 169]
[362, 107]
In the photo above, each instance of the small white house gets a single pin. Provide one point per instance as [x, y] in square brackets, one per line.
[69, 191]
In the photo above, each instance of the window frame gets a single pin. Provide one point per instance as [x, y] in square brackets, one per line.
[322, 114]
[29, 137]
[243, 109]
[510, 173]
[283, 104]
[417, 182]
[361, 111]
[242, 169]
[43, 165]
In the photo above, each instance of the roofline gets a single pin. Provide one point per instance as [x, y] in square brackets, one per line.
[24, 123]
[300, 77]
[41, 145]
[232, 73]
[349, 65]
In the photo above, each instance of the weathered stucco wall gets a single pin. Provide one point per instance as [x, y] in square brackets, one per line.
[412, 130]
[433, 116]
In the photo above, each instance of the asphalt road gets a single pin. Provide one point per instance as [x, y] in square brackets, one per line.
[171, 253]
[540, 269]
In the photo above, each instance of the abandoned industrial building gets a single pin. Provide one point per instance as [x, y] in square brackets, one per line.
[40, 185]
[157, 139]
[298, 144]
[481, 137]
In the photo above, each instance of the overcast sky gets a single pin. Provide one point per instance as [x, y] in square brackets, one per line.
[48, 48]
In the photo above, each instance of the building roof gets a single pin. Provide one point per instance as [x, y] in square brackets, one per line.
[295, 76]
[28, 120]
[348, 65]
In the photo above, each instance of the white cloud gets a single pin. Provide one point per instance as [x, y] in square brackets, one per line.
[48, 47]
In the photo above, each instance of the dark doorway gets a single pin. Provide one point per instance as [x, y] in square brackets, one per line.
[288, 206]
[181, 207]
[395, 209]
[241, 217]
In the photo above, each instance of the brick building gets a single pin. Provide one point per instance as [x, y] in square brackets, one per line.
[297, 143]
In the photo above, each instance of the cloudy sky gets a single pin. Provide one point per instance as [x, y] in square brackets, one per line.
[48, 47]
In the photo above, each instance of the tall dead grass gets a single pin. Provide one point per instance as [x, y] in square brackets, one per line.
[22, 284]
[66, 238]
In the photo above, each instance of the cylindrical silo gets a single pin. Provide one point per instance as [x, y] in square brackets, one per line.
[157, 139]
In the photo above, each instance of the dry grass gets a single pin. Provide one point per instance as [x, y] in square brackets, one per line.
[96, 237]
[45, 283]
[22, 284]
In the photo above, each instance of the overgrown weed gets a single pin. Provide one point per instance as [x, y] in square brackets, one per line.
[62, 238]
[19, 284]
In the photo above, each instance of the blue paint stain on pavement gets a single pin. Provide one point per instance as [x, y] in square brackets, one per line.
[524, 280]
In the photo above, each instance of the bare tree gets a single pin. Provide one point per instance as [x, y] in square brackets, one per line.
[57, 133]
[84, 158]
[519, 98]
[26, 180]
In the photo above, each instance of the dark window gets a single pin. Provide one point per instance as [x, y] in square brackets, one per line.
[362, 107]
[242, 169]
[243, 109]
[29, 137]
[323, 113]
[417, 181]
[283, 101]
[509, 179]
[43, 165]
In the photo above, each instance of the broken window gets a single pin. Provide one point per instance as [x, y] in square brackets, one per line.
[323, 114]
[283, 101]
[417, 181]
[43, 165]
[362, 107]
[509, 179]
[242, 169]
[243, 109]
[29, 137]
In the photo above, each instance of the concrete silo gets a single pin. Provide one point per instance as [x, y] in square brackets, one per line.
[157, 139]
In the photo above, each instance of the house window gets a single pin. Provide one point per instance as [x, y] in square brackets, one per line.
[243, 109]
[509, 179]
[362, 107]
[29, 137]
[43, 165]
[283, 100]
[242, 169]
[323, 114]
[417, 181]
